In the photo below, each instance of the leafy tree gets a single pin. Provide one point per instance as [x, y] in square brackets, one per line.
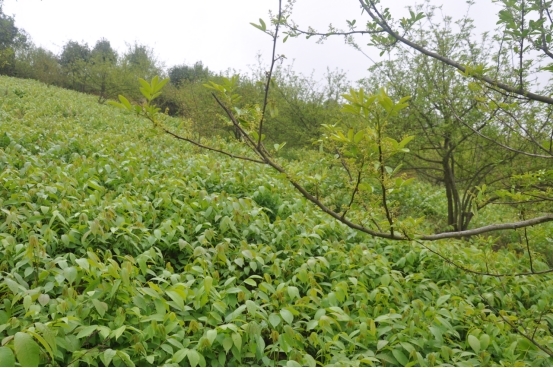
[74, 61]
[11, 38]
[141, 61]
[184, 73]
[102, 70]
[445, 117]
[40, 64]
[298, 104]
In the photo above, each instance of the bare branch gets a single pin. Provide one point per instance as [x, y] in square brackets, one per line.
[353, 193]
[490, 228]
[211, 148]
[487, 273]
[334, 33]
[269, 74]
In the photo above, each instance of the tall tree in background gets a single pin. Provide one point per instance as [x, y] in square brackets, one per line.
[74, 62]
[102, 70]
[11, 38]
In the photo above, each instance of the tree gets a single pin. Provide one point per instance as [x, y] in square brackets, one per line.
[74, 62]
[102, 70]
[445, 117]
[40, 64]
[141, 61]
[196, 73]
[299, 104]
[11, 39]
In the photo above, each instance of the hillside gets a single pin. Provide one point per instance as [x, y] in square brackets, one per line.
[122, 246]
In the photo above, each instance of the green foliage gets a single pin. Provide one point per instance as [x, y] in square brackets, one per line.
[183, 73]
[119, 246]
[11, 40]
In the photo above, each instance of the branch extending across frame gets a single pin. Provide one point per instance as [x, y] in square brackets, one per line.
[266, 159]
[335, 33]
[211, 148]
[375, 15]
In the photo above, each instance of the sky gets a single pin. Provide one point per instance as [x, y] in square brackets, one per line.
[216, 32]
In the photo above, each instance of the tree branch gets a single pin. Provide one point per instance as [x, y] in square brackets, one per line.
[519, 91]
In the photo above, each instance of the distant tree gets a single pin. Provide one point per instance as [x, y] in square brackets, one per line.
[40, 64]
[137, 62]
[141, 61]
[11, 38]
[74, 61]
[183, 72]
[102, 70]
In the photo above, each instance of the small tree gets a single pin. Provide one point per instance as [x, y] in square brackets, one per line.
[102, 70]
[74, 61]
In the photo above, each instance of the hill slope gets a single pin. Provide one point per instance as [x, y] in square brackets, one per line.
[121, 246]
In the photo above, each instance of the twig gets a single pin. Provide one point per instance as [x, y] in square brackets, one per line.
[523, 334]
[353, 193]
[211, 148]
[269, 74]
[462, 268]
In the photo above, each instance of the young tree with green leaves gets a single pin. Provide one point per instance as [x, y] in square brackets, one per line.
[74, 60]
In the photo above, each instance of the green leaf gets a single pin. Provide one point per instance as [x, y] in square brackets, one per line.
[125, 102]
[208, 282]
[118, 332]
[176, 298]
[7, 359]
[358, 136]
[312, 324]
[101, 307]
[381, 344]
[193, 357]
[474, 343]
[484, 341]
[179, 355]
[125, 358]
[26, 349]
[108, 356]
[441, 300]
[70, 274]
[274, 319]
[385, 280]
[237, 340]
[86, 331]
[287, 316]
[401, 358]
[263, 25]
[211, 336]
[293, 292]
[227, 344]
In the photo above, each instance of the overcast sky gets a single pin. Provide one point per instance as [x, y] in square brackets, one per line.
[217, 32]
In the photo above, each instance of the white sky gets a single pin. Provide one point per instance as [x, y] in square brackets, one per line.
[217, 32]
